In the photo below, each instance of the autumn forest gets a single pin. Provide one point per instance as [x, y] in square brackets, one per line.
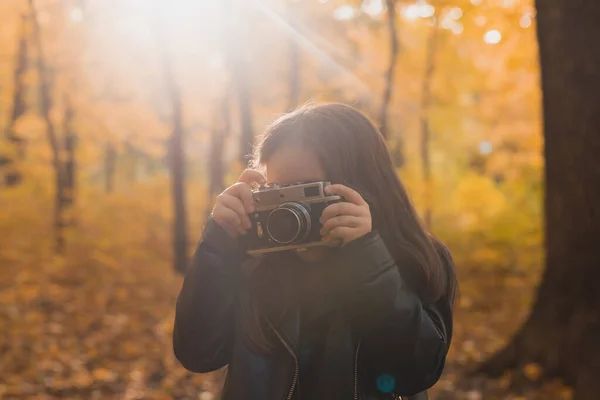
[122, 120]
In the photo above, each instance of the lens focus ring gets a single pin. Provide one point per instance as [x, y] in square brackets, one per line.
[288, 223]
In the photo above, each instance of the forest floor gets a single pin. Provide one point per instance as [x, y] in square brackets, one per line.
[99, 328]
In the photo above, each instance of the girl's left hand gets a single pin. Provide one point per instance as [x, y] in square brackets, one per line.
[347, 220]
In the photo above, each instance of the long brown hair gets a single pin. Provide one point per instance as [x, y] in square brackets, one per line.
[352, 151]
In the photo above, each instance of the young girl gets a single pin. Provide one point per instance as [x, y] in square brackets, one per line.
[368, 319]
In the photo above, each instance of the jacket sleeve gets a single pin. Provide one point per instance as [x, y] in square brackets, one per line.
[403, 342]
[203, 331]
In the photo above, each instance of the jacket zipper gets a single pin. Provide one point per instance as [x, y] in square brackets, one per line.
[295, 380]
[356, 372]
[289, 349]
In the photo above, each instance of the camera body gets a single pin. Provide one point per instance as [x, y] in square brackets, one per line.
[287, 217]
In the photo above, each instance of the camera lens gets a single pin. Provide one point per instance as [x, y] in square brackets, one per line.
[288, 223]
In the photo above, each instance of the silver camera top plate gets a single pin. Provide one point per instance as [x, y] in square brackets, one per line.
[272, 196]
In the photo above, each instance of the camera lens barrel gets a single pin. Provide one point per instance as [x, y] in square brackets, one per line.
[288, 223]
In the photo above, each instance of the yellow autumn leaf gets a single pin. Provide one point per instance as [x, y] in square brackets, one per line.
[30, 126]
[566, 393]
[533, 371]
[132, 349]
[82, 379]
[104, 375]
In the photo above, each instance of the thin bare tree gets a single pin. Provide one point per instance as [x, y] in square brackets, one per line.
[389, 75]
[426, 101]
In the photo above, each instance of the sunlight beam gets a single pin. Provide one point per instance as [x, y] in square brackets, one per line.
[311, 47]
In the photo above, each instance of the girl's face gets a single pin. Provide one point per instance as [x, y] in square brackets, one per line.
[291, 164]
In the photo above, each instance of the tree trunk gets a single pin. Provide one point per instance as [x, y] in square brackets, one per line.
[12, 176]
[45, 108]
[176, 158]
[235, 30]
[246, 135]
[389, 76]
[131, 158]
[177, 167]
[110, 163]
[70, 140]
[221, 128]
[562, 331]
[426, 100]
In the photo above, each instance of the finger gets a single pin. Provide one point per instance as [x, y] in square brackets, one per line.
[224, 215]
[250, 176]
[331, 241]
[341, 220]
[235, 204]
[342, 208]
[243, 192]
[228, 220]
[350, 195]
[341, 232]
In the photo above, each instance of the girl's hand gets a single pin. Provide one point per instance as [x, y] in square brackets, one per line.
[348, 220]
[235, 203]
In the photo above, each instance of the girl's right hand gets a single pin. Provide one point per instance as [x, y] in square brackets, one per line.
[235, 203]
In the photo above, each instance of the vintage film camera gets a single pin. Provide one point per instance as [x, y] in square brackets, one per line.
[287, 217]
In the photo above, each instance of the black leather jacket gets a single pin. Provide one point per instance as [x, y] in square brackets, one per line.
[382, 342]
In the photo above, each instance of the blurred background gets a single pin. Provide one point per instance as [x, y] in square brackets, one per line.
[120, 120]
